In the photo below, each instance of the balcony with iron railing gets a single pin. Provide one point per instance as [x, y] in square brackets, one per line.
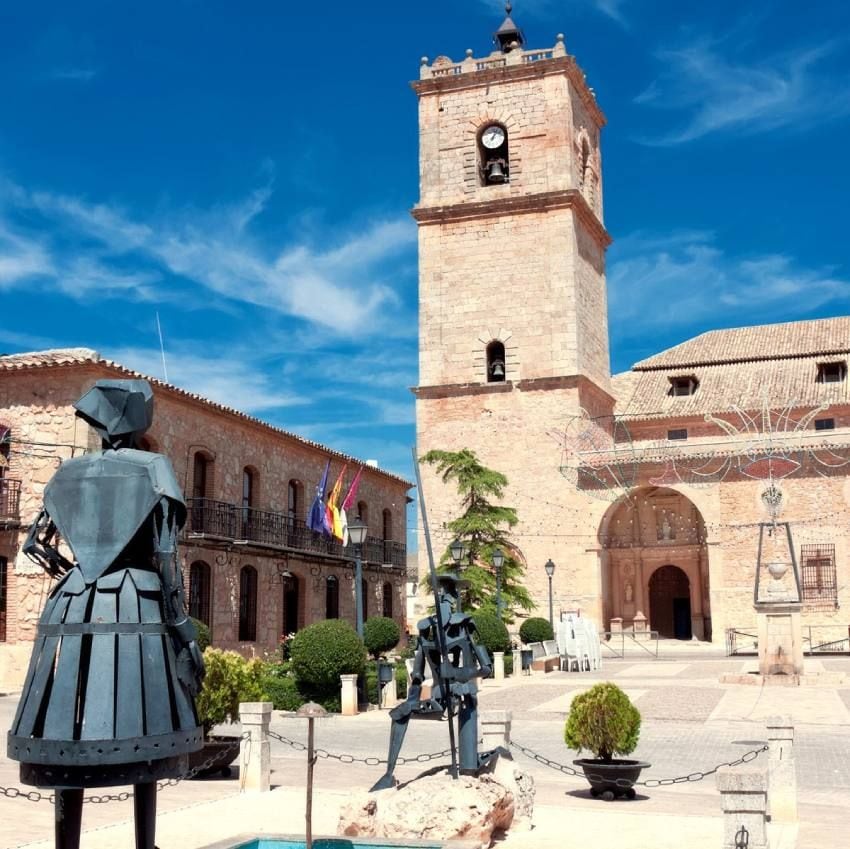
[222, 520]
[10, 501]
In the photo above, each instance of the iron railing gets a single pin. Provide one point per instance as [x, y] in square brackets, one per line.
[279, 530]
[817, 639]
[10, 499]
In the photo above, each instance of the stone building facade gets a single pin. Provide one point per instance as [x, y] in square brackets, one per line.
[254, 572]
[647, 489]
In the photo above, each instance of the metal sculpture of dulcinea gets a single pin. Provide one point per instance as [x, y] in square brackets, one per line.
[109, 694]
[455, 661]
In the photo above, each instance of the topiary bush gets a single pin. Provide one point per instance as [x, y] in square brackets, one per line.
[203, 639]
[280, 687]
[604, 721]
[535, 630]
[380, 634]
[492, 633]
[324, 651]
[229, 680]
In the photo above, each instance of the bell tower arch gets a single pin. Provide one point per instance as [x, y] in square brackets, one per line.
[513, 327]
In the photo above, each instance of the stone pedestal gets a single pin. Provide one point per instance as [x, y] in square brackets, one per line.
[389, 696]
[499, 665]
[495, 729]
[780, 637]
[743, 796]
[255, 750]
[517, 670]
[617, 625]
[782, 769]
[348, 694]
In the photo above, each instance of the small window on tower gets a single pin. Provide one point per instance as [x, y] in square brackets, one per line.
[677, 433]
[685, 385]
[495, 362]
[493, 156]
[824, 424]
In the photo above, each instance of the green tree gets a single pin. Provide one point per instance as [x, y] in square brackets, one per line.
[483, 527]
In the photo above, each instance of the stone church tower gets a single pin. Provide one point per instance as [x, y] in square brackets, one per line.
[513, 328]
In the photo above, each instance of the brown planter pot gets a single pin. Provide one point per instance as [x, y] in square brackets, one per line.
[225, 750]
[610, 779]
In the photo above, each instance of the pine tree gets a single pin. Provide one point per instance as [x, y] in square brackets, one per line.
[483, 527]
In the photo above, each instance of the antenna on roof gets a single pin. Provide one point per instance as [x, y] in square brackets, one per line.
[161, 348]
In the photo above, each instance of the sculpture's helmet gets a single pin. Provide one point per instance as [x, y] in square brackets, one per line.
[119, 410]
[450, 583]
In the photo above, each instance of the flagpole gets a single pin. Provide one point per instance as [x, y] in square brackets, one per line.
[441, 633]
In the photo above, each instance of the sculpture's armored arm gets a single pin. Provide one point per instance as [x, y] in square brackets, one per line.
[190, 663]
[41, 547]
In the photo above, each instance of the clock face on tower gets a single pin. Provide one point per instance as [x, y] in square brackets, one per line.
[493, 137]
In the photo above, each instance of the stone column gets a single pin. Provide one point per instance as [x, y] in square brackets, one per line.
[348, 694]
[517, 670]
[780, 638]
[499, 665]
[255, 759]
[782, 769]
[495, 729]
[743, 796]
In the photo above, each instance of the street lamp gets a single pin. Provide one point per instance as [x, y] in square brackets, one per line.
[357, 530]
[457, 551]
[498, 562]
[550, 571]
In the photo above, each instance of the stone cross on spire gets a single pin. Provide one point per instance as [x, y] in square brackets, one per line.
[509, 35]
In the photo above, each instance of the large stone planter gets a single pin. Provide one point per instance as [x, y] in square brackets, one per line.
[224, 750]
[611, 779]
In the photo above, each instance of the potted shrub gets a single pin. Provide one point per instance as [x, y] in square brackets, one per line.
[229, 680]
[604, 722]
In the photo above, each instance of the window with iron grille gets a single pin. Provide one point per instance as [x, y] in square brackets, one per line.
[3, 563]
[818, 580]
[824, 424]
[248, 604]
[199, 591]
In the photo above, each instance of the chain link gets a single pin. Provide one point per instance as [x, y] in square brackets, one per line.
[124, 795]
[350, 759]
[699, 775]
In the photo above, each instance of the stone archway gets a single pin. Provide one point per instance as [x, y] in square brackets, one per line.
[651, 528]
[670, 603]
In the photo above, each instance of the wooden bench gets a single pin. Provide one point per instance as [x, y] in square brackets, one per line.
[542, 660]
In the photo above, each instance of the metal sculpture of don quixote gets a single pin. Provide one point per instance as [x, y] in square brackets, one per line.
[109, 695]
[448, 648]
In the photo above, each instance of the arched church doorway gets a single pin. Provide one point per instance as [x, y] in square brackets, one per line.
[670, 603]
[647, 531]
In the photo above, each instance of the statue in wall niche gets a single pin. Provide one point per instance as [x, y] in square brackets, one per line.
[666, 529]
[454, 691]
[628, 593]
[109, 695]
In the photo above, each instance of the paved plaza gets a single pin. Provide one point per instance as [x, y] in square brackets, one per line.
[691, 723]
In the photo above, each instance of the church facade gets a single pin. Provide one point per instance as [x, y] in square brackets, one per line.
[656, 492]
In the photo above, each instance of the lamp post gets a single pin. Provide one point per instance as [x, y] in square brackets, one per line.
[457, 550]
[550, 571]
[311, 711]
[357, 534]
[498, 562]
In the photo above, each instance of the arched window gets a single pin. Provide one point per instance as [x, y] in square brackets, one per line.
[496, 362]
[200, 585]
[3, 564]
[332, 598]
[248, 604]
[249, 484]
[364, 589]
[388, 600]
[494, 159]
[201, 475]
[363, 512]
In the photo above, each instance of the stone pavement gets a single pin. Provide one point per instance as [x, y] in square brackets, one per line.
[691, 722]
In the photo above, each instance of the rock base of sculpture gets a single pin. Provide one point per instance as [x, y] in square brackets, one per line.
[473, 809]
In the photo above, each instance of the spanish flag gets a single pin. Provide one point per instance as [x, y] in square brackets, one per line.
[334, 519]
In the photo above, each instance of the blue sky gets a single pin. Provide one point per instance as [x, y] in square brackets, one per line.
[247, 171]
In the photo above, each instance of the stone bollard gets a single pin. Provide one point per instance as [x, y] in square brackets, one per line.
[255, 758]
[517, 670]
[389, 695]
[499, 665]
[743, 796]
[348, 695]
[495, 730]
[782, 776]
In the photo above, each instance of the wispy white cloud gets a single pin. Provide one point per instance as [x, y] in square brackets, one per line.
[686, 280]
[712, 90]
[21, 259]
[338, 284]
[236, 378]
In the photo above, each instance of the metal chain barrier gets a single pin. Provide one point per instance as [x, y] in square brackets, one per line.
[350, 759]
[699, 775]
[124, 795]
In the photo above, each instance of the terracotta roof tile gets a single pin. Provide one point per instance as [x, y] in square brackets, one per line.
[69, 357]
[761, 342]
